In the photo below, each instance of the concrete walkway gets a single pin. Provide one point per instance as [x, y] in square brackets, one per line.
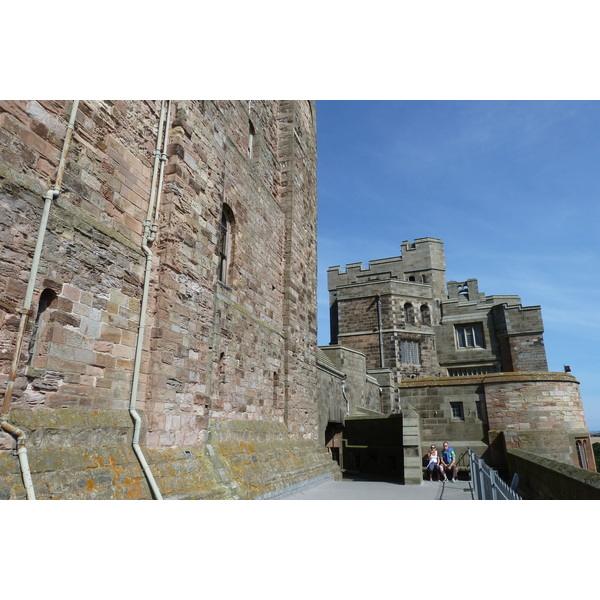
[349, 489]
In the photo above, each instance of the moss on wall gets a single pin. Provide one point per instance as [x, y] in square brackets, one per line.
[80, 454]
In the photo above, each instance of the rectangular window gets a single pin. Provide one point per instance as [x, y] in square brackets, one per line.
[469, 336]
[457, 411]
[409, 352]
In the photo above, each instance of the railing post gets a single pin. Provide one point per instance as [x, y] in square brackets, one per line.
[493, 477]
[482, 474]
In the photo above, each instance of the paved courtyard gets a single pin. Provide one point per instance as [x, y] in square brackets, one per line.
[349, 489]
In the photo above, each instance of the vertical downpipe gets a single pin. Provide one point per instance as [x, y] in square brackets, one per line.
[51, 194]
[150, 229]
[380, 326]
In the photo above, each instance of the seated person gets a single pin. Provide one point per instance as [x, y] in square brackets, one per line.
[434, 463]
[448, 463]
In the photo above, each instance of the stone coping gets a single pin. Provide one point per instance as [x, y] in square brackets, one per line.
[490, 378]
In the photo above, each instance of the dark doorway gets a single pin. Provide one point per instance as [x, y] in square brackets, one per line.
[373, 448]
[333, 442]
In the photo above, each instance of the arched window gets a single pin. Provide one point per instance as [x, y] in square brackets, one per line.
[425, 315]
[225, 235]
[581, 446]
[408, 313]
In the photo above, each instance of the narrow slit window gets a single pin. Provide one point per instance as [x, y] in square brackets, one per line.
[224, 249]
[408, 313]
[251, 139]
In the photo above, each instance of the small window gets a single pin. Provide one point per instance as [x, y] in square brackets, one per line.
[47, 298]
[409, 352]
[225, 244]
[275, 389]
[458, 412]
[408, 313]
[425, 315]
[469, 336]
[251, 136]
[581, 446]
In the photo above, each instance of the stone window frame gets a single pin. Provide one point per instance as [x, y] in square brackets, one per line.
[457, 410]
[410, 352]
[469, 335]
[581, 446]
[255, 143]
[408, 313]
[425, 312]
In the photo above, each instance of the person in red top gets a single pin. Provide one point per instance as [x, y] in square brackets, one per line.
[448, 463]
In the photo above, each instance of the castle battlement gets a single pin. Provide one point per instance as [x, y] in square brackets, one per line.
[417, 263]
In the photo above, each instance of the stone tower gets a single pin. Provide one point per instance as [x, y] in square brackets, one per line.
[177, 276]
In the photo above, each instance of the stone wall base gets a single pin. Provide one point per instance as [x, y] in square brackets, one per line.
[79, 454]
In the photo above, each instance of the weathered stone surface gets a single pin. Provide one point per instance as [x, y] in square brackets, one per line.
[238, 349]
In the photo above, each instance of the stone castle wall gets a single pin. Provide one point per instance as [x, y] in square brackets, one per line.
[432, 400]
[214, 351]
[361, 390]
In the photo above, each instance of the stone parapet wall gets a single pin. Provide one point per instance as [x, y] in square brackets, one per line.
[557, 444]
[541, 478]
[332, 404]
[360, 389]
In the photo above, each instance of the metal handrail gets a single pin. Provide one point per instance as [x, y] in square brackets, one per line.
[486, 482]
[460, 461]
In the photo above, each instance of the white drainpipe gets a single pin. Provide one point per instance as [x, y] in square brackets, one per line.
[345, 397]
[148, 236]
[50, 195]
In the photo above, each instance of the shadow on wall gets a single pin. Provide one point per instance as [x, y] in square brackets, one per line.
[373, 448]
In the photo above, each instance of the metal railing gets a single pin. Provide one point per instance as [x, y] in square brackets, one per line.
[487, 484]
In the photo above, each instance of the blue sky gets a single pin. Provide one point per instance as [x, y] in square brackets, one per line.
[510, 187]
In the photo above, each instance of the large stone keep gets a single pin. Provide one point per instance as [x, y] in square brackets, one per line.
[227, 380]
